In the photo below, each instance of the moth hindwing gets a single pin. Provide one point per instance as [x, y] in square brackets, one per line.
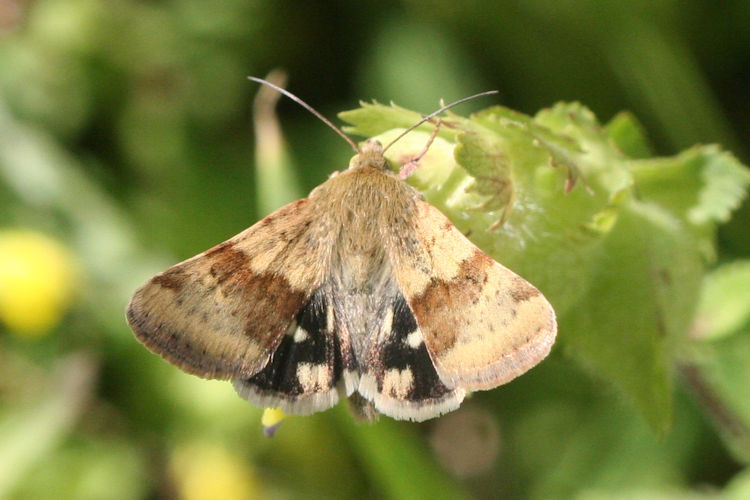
[362, 289]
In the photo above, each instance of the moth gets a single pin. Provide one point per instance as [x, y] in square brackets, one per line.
[361, 290]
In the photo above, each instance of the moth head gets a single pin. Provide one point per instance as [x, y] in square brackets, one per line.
[370, 155]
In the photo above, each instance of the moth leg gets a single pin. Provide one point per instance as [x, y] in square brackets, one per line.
[411, 166]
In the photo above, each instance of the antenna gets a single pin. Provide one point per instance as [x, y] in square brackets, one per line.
[309, 108]
[435, 113]
[346, 137]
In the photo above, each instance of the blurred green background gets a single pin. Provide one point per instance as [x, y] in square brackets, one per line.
[126, 145]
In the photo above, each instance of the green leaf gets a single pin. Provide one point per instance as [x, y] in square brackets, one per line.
[484, 160]
[638, 306]
[374, 118]
[702, 186]
[628, 135]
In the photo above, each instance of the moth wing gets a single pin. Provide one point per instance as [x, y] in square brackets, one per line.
[398, 377]
[483, 325]
[222, 313]
[305, 371]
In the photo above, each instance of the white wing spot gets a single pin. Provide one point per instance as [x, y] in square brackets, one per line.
[414, 339]
[329, 318]
[292, 328]
[398, 383]
[300, 334]
[313, 378]
[386, 326]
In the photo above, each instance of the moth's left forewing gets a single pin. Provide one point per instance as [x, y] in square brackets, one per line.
[483, 325]
[224, 312]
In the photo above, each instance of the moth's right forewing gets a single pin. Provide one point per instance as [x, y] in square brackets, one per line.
[483, 325]
[222, 313]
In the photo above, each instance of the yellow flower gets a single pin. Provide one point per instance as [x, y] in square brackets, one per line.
[210, 472]
[271, 420]
[36, 281]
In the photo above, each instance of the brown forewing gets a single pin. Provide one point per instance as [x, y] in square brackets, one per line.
[483, 325]
[222, 313]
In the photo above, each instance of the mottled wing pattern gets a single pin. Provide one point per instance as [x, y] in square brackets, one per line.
[398, 375]
[222, 313]
[483, 325]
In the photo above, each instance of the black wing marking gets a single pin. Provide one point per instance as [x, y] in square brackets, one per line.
[304, 372]
[399, 376]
